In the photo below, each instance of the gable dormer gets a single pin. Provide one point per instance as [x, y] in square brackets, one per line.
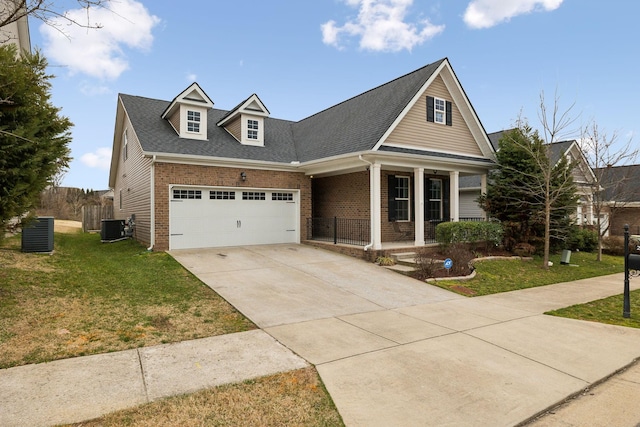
[246, 121]
[187, 113]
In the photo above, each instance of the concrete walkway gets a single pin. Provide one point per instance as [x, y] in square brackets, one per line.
[390, 350]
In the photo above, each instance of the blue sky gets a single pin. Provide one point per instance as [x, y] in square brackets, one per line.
[301, 57]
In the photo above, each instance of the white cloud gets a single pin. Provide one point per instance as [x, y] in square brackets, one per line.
[381, 26]
[91, 89]
[99, 52]
[100, 159]
[487, 13]
[192, 77]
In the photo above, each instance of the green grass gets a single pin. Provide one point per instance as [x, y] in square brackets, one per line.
[91, 297]
[509, 275]
[607, 310]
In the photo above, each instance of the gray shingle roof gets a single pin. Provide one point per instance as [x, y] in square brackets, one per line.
[354, 125]
[156, 135]
[357, 124]
[434, 154]
[621, 183]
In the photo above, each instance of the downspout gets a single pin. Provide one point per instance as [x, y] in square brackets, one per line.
[153, 204]
[370, 244]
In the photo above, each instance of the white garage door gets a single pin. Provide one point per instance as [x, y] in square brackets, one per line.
[213, 217]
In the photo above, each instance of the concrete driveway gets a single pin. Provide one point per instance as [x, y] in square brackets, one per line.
[394, 351]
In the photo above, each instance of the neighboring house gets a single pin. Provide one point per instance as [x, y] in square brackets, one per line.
[621, 194]
[15, 32]
[470, 187]
[385, 164]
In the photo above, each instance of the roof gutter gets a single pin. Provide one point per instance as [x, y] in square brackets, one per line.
[153, 204]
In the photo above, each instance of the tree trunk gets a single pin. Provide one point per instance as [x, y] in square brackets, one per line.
[547, 233]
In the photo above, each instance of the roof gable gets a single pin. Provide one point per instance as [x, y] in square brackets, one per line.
[252, 105]
[460, 99]
[192, 95]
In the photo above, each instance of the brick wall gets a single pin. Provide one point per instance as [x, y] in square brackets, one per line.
[622, 216]
[344, 196]
[171, 174]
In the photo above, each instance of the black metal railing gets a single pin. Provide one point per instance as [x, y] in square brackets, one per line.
[339, 230]
[358, 231]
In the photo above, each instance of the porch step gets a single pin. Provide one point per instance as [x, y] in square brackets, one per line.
[399, 268]
[404, 258]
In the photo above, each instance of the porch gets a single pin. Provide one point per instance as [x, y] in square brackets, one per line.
[357, 232]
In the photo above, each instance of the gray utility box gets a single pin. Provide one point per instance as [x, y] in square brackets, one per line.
[37, 236]
[112, 229]
[566, 257]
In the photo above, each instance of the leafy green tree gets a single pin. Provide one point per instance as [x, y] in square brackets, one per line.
[34, 136]
[533, 196]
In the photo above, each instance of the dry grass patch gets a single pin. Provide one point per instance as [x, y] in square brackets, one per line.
[90, 298]
[294, 398]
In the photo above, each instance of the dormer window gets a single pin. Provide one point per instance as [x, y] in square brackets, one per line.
[193, 121]
[252, 129]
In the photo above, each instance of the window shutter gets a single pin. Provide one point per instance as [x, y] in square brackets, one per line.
[391, 198]
[446, 197]
[430, 108]
[448, 110]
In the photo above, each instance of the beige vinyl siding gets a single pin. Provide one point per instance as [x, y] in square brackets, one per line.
[175, 120]
[468, 206]
[415, 131]
[235, 128]
[134, 180]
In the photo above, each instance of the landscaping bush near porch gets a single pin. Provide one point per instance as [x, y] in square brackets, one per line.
[473, 232]
[91, 297]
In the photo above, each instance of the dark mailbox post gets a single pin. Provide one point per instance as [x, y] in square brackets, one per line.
[631, 263]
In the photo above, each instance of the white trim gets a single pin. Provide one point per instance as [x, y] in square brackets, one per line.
[429, 150]
[418, 185]
[243, 109]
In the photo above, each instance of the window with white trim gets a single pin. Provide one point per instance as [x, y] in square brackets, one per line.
[187, 194]
[402, 198]
[440, 112]
[282, 196]
[193, 121]
[252, 129]
[125, 146]
[435, 199]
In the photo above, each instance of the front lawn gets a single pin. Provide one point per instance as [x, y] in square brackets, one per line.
[606, 310]
[91, 297]
[509, 275]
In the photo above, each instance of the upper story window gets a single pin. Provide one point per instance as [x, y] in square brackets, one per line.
[193, 121]
[439, 109]
[125, 146]
[252, 129]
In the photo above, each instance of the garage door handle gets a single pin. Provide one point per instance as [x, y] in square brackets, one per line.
[238, 224]
[174, 234]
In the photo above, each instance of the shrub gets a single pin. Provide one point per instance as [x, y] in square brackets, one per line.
[385, 261]
[582, 239]
[426, 265]
[490, 233]
[614, 245]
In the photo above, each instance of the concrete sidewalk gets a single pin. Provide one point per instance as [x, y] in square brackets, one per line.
[82, 388]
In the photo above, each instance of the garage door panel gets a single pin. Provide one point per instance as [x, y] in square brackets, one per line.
[243, 217]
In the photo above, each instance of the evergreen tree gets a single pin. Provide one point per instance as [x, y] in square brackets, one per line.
[533, 197]
[34, 136]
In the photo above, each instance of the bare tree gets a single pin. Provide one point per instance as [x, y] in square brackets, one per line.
[47, 11]
[556, 179]
[604, 153]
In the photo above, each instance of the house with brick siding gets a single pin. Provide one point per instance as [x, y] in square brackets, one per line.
[379, 168]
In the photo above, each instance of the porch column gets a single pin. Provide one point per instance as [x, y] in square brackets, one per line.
[376, 206]
[483, 190]
[454, 195]
[418, 179]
